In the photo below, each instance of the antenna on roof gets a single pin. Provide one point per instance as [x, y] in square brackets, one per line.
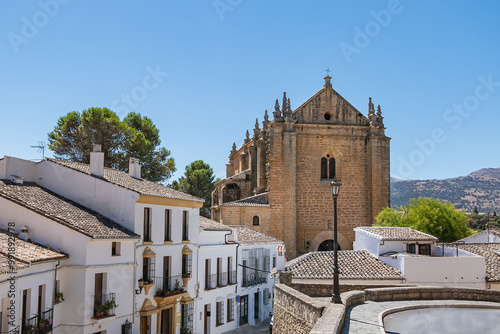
[41, 148]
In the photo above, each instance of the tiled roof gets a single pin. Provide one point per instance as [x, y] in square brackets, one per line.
[63, 211]
[25, 253]
[209, 224]
[141, 186]
[257, 200]
[248, 236]
[397, 233]
[352, 265]
[491, 253]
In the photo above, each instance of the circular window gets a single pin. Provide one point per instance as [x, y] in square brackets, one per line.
[328, 116]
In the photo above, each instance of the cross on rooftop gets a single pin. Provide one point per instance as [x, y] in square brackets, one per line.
[327, 71]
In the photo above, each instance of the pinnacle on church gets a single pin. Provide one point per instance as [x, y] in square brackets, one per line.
[277, 111]
[289, 106]
[285, 106]
[379, 111]
[257, 124]
[266, 117]
[371, 107]
[256, 130]
[233, 149]
[247, 137]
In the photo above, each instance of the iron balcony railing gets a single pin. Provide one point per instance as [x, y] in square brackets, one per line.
[211, 282]
[38, 324]
[232, 277]
[14, 330]
[222, 279]
[253, 279]
[104, 305]
[166, 286]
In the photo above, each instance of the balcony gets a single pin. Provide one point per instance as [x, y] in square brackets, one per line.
[253, 279]
[39, 324]
[210, 282]
[222, 279]
[232, 277]
[169, 289]
[105, 306]
[14, 330]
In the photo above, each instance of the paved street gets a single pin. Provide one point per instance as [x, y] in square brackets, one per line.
[261, 327]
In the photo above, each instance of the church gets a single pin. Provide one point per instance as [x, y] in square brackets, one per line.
[278, 181]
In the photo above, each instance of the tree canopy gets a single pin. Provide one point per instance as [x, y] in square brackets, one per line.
[429, 216]
[198, 180]
[136, 136]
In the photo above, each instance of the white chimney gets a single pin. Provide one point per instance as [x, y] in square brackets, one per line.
[16, 179]
[24, 234]
[97, 161]
[134, 168]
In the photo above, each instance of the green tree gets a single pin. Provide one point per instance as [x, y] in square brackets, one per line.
[198, 180]
[429, 216]
[136, 136]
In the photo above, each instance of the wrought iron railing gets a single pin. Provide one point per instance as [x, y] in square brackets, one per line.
[211, 282]
[222, 279]
[104, 305]
[14, 330]
[38, 324]
[166, 286]
[232, 277]
[253, 279]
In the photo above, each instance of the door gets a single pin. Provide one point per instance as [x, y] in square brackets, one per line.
[144, 325]
[25, 309]
[165, 321]
[207, 319]
[98, 285]
[256, 306]
[166, 272]
[243, 310]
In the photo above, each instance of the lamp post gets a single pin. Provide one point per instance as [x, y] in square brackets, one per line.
[335, 187]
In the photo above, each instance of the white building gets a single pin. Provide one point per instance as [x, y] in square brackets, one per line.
[28, 276]
[490, 235]
[419, 259]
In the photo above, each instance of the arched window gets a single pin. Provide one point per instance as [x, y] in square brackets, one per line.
[256, 221]
[324, 168]
[328, 168]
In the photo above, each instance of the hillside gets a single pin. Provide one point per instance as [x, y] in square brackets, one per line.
[479, 189]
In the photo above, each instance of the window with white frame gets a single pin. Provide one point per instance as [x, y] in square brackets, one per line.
[230, 309]
[220, 313]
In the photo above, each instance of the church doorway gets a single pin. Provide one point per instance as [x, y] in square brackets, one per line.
[327, 245]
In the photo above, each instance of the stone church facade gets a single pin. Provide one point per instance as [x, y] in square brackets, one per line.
[278, 181]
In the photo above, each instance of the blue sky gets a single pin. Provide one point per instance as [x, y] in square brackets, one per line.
[432, 66]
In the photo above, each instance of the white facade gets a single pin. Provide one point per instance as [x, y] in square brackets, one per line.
[461, 269]
[488, 236]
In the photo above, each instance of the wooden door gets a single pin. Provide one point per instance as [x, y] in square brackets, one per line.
[243, 310]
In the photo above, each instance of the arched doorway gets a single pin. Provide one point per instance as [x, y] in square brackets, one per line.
[327, 245]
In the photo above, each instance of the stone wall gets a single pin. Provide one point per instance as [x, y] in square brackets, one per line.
[325, 290]
[295, 312]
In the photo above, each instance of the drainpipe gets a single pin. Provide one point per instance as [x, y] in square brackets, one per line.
[133, 284]
[54, 292]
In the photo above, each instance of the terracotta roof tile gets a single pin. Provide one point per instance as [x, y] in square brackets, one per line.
[352, 265]
[209, 224]
[141, 186]
[397, 233]
[25, 252]
[63, 211]
[257, 200]
[248, 236]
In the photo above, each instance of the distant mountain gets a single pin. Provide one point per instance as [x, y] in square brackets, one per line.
[479, 189]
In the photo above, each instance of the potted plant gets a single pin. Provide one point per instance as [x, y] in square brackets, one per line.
[59, 297]
[111, 304]
[100, 311]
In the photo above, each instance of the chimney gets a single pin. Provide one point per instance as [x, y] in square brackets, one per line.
[16, 179]
[97, 161]
[24, 234]
[134, 168]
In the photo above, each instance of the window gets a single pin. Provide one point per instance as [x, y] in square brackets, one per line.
[328, 168]
[424, 249]
[185, 226]
[168, 225]
[231, 272]
[147, 224]
[230, 309]
[186, 265]
[220, 313]
[274, 261]
[266, 296]
[148, 269]
[256, 221]
[187, 316]
[115, 248]
[411, 248]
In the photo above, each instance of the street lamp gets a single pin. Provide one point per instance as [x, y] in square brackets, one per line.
[335, 188]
